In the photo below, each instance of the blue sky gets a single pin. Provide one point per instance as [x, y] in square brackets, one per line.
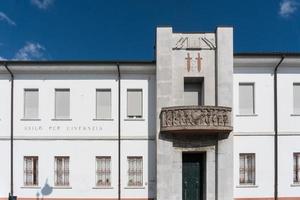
[125, 29]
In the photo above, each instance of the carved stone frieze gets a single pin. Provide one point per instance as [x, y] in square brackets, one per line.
[196, 119]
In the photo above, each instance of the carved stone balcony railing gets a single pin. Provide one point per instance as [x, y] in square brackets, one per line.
[196, 119]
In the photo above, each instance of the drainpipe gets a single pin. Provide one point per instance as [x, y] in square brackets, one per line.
[276, 129]
[11, 194]
[119, 132]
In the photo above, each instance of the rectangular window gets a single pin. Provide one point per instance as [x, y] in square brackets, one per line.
[61, 171]
[135, 171]
[296, 98]
[103, 171]
[246, 98]
[247, 169]
[103, 103]
[30, 170]
[297, 168]
[62, 103]
[134, 103]
[31, 103]
[193, 91]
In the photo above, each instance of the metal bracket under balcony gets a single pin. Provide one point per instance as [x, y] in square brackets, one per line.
[196, 119]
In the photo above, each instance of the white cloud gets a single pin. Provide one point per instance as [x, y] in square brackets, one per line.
[4, 17]
[1, 58]
[42, 4]
[31, 51]
[287, 8]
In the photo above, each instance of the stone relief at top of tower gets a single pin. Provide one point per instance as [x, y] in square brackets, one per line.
[194, 41]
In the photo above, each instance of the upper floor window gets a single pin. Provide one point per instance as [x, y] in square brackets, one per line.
[297, 168]
[247, 168]
[31, 170]
[246, 98]
[135, 171]
[31, 103]
[61, 172]
[103, 171]
[103, 103]
[193, 91]
[296, 91]
[134, 103]
[62, 103]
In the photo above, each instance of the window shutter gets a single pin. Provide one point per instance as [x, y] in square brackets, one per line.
[246, 99]
[103, 105]
[296, 98]
[134, 103]
[62, 103]
[31, 103]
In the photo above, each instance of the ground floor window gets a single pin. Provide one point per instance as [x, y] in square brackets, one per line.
[135, 171]
[296, 167]
[247, 168]
[30, 170]
[61, 171]
[103, 170]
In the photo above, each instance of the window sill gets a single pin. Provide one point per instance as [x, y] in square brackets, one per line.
[62, 187]
[246, 115]
[103, 187]
[247, 186]
[134, 187]
[295, 185]
[103, 119]
[295, 115]
[134, 119]
[56, 119]
[25, 119]
[31, 187]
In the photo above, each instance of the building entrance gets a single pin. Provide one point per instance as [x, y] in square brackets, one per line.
[193, 176]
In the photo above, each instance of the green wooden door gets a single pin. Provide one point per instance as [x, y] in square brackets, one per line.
[192, 177]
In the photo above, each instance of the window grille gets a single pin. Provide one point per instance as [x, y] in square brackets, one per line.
[135, 171]
[61, 171]
[103, 171]
[247, 168]
[30, 170]
[297, 168]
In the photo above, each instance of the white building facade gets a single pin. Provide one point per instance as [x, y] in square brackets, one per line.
[198, 123]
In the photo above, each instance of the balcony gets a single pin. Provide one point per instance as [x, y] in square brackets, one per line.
[196, 119]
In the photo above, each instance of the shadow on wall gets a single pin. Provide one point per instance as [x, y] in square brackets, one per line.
[45, 191]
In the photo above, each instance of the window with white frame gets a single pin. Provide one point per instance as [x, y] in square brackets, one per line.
[296, 91]
[103, 171]
[135, 171]
[247, 169]
[31, 103]
[134, 103]
[297, 168]
[61, 172]
[103, 103]
[31, 171]
[62, 103]
[246, 99]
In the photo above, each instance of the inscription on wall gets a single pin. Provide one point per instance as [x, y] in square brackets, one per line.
[63, 128]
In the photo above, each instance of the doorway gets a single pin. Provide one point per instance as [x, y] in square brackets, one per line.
[193, 176]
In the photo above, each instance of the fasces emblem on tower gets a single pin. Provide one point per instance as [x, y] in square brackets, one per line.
[189, 63]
